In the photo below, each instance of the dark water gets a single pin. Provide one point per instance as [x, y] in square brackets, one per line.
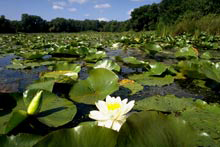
[16, 80]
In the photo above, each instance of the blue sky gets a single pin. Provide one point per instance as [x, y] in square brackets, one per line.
[73, 9]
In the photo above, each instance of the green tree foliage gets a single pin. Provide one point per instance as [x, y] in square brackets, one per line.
[35, 24]
[32, 23]
[5, 25]
[145, 17]
[171, 12]
[178, 13]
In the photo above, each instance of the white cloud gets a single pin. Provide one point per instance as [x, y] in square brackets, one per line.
[78, 1]
[103, 19]
[56, 7]
[72, 9]
[98, 6]
[59, 5]
[129, 12]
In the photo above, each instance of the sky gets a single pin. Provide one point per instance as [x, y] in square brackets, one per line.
[105, 10]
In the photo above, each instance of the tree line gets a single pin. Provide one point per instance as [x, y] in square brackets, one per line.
[147, 17]
[34, 24]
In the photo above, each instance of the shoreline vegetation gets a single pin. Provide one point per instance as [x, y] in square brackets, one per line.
[172, 17]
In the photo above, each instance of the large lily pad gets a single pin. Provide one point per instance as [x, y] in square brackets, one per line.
[211, 70]
[16, 118]
[100, 83]
[148, 128]
[147, 79]
[153, 48]
[84, 135]
[168, 103]
[54, 111]
[187, 52]
[6, 113]
[20, 140]
[63, 71]
[157, 68]
[191, 68]
[43, 84]
[108, 64]
[95, 56]
[205, 118]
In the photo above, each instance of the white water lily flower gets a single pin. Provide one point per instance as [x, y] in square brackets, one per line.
[112, 112]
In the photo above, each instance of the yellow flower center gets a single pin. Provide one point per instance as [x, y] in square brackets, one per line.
[113, 106]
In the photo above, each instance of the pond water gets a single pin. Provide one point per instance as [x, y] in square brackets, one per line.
[18, 80]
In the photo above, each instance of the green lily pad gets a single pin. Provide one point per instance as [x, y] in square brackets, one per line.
[64, 73]
[100, 83]
[55, 111]
[157, 68]
[84, 135]
[43, 84]
[65, 66]
[153, 48]
[132, 61]
[168, 103]
[206, 119]
[23, 64]
[200, 84]
[108, 64]
[191, 69]
[147, 79]
[95, 56]
[211, 70]
[6, 114]
[188, 52]
[59, 75]
[16, 118]
[206, 55]
[148, 128]
[33, 55]
[132, 85]
[20, 140]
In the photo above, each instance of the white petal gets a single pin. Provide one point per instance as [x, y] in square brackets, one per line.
[124, 102]
[107, 123]
[97, 115]
[101, 105]
[116, 114]
[117, 125]
[101, 123]
[118, 99]
[109, 99]
[128, 107]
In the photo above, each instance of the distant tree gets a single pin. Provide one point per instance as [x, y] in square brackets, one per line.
[32, 23]
[59, 25]
[5, 25]
[16, 25]
[145, 17]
